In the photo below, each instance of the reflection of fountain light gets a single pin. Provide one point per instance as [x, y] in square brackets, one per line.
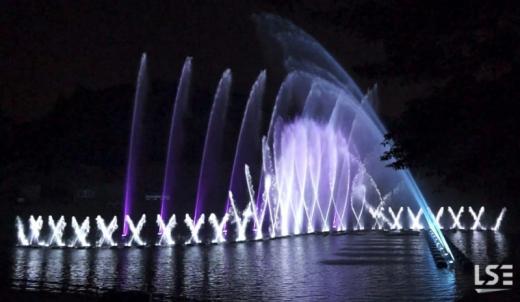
[416, 219]
[456, 218]
[194, 228]
[165, 230]
[396, 224]
[476, 218]
[80, 232]
[106, 231]
[57, 229]
[135, 230]
[496, 227]
[218, 228]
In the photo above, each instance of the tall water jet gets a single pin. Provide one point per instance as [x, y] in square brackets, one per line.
[175, 141]
[213, 143]
[248, 140]
[135, 141]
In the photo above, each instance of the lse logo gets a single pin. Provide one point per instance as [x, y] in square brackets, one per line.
[495, 272]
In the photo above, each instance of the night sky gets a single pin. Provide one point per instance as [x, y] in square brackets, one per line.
[49, 49]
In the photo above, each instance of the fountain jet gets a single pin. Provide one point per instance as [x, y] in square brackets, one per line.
[496, 227]
[20, 233]
[35, 225]
[415, 219]
[456, 218]
[107, 231]
[218, 228]
[476, 218]
[135, 231]
[175, 141]
[247, 146]
[213, 143]
[194, 228]
[80, 232]
[135, 142]
[57, 229]
[396, 224]
[165, 230]
[241, 223]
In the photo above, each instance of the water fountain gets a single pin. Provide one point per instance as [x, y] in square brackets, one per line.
[218, 227]
[57, 229]
[107, 231]
[396, 224]
[476, 217]
[194, 227]
[135, 231]
[165, 230]
[456, 218]
[175, 141]
[213, 143]
[80, 232]
[320, 166]
[135, 142]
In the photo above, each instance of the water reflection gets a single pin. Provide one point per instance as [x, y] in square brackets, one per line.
[310, 267]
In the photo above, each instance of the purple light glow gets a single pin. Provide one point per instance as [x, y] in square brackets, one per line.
[213, 143]
[175, 140]
[135, 140]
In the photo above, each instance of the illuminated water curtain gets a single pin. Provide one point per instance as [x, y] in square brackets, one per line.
[317, 168]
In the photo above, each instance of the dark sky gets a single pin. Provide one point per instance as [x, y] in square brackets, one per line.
[49, 49]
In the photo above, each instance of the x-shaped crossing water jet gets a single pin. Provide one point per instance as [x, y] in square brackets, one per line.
[257, 217]
[240, 222]
[20, 232]
[416, 219]
[359, 192]
[496, 227]
[396, 224]
[194, 228]
[106, 231]
[80, 232]
[165, 230]
[378, 216]
[456, 218]
[476, 218]
[135, 230]
[35, 226]
[57, 229]
[218, 228]
[438, 217]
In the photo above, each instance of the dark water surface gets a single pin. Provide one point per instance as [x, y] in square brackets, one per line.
[369, 266]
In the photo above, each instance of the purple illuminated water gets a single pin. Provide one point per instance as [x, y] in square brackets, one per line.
[213, 143]
[135, 141]
[175, 141]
